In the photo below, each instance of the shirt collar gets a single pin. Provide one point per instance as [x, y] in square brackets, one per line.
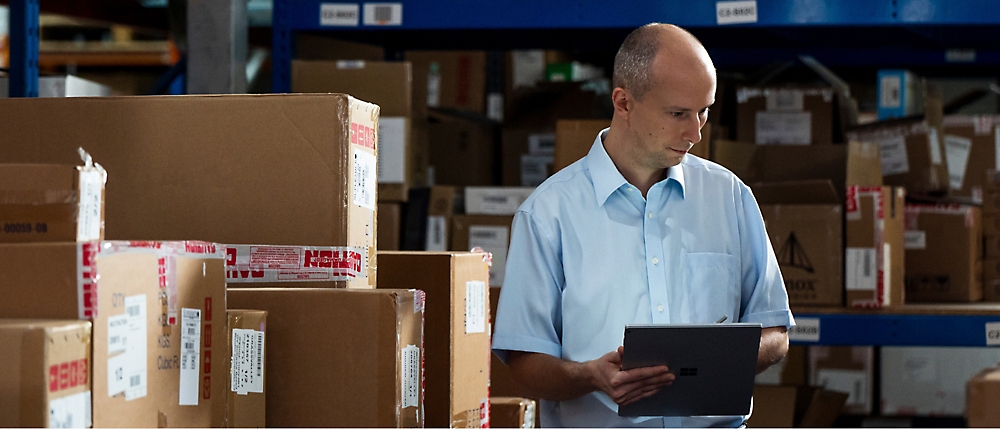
[606, 177]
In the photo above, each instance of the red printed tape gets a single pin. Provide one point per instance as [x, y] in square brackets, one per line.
[251, 263]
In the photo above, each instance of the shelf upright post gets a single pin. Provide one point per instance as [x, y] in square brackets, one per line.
[23, 48]
[282, 48]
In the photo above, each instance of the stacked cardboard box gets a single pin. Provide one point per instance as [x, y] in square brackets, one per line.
[874, 258]
[489, 213]
[991, 236]
[795, 406]
[245, 405]
[461, 150]
[449, 79]
[930, 381]
[970, 149]
[943, 253]
[785, 115]
[981, 393]
[509, 412]
[845, 369]
[51, 203]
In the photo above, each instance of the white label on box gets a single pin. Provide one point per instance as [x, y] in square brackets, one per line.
[383, 14]
[535, 169]
[735, 12]
[190, 351]
[392, 150]
[886, 270]
[364, 179]
[437, 234]
[118, 333]
[411, 376]
[996, 147]
[915, 240]
[71, 411]
[993, 334]
[852, 382]
[788, 100]
[475, 307]
[806, 329]
[891, 92]
[339, 14]
[529, 416]
[861, 270]
[528, 67]
[894, 158]
[247, 371]
[89, 219]
[492, 239]
[784, 128]
[956, 150]
[542, 144]
[494, 106]
[350, 64]
[433, 85]
[921, 369]
[495, 201]
[960, 55]
[935, 145]
[117, 367]
[130, 370]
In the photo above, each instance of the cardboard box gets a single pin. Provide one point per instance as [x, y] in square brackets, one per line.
[900, 94]
[789, 371]
[991, 225]
[272, 169]
[970, 150]
[387, 84]
[46, 202]
[502, 383]
[62, 86]
[991, 279]
[785, 115]
[461, 151]
[320, 47]
[930, 381]
[245, 401]
[911, 153]
[498, 201]
[456, 331]
[795, 406]
[981, 393]
[991, 204]
[440, 209]
[46, 382]
[874, 258]
[390, 224]
[528, 154]
[294, 266]
[845, 369]
[449, 79]
[944, 253]
[508, 412]
[991, 183]
[341, 358]
[491, 233]
[574, 140]
[805, 225]
[141, 373]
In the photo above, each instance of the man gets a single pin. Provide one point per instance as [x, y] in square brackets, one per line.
[636, 232]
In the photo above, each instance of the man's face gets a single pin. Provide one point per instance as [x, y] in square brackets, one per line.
[667, 122]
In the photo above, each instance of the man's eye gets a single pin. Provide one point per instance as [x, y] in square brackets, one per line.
[676, 114]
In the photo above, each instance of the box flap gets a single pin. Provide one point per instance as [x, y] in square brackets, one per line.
[796, 192]
[864, 164]
[782, 163]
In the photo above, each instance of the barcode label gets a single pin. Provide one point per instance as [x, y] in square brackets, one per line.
[436, 233]
[71, 411]
[410, 378]
[132, 310]
[339, 14]
[860, 267]
[365, 179]
[191, 340]
[475, 307]
[127, 371]
[133, 381]
[247, 371]
[492, 239]
[383, 14]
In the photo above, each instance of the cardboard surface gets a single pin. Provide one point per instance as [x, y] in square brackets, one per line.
[390, 223]
[48, 202]
[461, 80]
[811, 108]
[845, 369]
[574, 138]
[456, 330]
[461, 150]
[491, 233]
[502, 383]
[341, 358]
[245, 410]
[256, 169]
[944, 251]
[795, 406]
[509, 412]
[930, 381]
[789, 371]
[991, 280]
[972, 142]
[516, 144]
[774, 163]
[874, 255]
[912, 153]
[47, 376]
[130, 295]
[981, 393]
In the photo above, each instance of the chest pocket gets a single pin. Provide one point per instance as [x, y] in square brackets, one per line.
[713, 288]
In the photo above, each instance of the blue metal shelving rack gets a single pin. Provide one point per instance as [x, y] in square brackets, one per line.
[958, 325]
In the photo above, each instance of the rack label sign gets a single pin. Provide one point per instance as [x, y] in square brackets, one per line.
[339, 14]
[735, 12]
[993, 334]
[806, 329]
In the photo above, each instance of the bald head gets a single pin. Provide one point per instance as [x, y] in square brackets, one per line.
[660, 46]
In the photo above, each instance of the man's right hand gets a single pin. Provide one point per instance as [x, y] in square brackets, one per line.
[626, 387]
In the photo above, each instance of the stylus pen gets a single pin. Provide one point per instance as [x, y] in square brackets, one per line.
[723, 319]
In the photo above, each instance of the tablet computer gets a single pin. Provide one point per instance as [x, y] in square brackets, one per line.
[714, 365]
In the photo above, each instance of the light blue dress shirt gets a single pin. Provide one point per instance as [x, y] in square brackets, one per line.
[588, 255]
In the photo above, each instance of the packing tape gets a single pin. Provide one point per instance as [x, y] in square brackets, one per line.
[254, 263]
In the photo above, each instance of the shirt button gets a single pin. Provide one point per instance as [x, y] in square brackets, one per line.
[659, 308]
[650, 215]
[656, 261]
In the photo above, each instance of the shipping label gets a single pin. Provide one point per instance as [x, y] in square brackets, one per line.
[247, 372]
[252, 264]
[190, 353]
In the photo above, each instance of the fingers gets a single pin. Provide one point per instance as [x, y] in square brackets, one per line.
[640, 394]
[637, 374]
[639, 389]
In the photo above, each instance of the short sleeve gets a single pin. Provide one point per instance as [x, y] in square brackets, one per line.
[763, 299]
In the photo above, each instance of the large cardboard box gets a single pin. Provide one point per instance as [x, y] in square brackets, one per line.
[449, 79]
[805, 225]
[387, 84]
[490, 233]
[461, 150]
[153, 320]
[245, 401]
[874, 257]
[911, 153]
[574, 138]
[47, 202]
[528, 154]
[440, 209]
[982, 391]
[944, 253]
[456, 331]
[502, 383]
[930, 381]
[269, 169]
[991, 280]
[848, 369]
[510, 412]
[971, 150]
[390, 225]
[785, 115]
[795, 406]
[47, 373]
[341, 358]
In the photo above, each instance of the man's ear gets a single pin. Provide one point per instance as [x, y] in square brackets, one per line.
[621, 99]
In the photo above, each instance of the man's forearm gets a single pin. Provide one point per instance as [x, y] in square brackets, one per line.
[548, 377]
[773, 347]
